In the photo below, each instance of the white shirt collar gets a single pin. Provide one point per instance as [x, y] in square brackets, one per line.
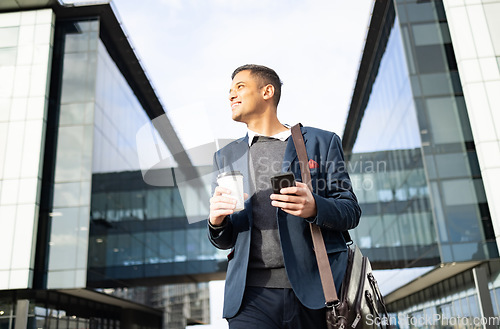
[282, 136]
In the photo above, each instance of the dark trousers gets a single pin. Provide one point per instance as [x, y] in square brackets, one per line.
[270, 308]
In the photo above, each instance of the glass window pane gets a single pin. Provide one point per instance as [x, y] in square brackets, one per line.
[77, 42]
[430, 58]
[463, 224]
[25, 55]
[497, 295]
[69, 149]
[3, 144]
[66, 194]
[63, 247]
[436, 84]
[27, 34]
[492, 12]
[5, 308]
[427, 34]
[421, 12]
[38, 83]
[22, 81]
[4, 323]
[10, 19]
[8, 56]
[452, 165]
[74, 88]
[444, 121]
[14, 149]
[43, 33]
[468, 251]
[9, 36]
[6, 86]
[4, 111]
[458, 192]
[30, 166]
[28, 18]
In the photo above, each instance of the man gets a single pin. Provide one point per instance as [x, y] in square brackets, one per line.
[272, 278]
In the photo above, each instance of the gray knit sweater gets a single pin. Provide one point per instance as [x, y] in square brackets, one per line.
[266, 267]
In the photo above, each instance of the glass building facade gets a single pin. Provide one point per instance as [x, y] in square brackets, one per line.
[418, 177]
[47, 309]
[451, 303]
[415, 169]
[140, 233]
[132, 231]
[81, 222]
[388, 171]
[69, 224]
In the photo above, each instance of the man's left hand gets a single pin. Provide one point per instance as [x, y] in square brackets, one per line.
[297, 200]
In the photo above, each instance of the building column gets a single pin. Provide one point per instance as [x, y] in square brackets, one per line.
[22, 314]
[483, 293]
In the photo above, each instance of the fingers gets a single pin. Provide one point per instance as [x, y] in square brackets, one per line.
[289, 195]
[288, 198]
[217, 215]
[304, 208]
[291, 202]
[295, 209]
[296, 190]
[221, 205]
[287, 205]
[221, 200]
[300, 184]
[220, 190]
[297, 200]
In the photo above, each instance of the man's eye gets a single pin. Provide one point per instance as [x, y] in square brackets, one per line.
[240, 86]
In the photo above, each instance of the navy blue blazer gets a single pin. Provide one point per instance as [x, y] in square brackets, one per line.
[337, 211]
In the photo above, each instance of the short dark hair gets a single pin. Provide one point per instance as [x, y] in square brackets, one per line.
[266, 75]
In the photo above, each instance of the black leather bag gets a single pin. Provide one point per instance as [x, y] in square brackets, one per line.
[361, 305]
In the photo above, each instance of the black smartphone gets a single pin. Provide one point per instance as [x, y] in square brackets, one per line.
[281, 181]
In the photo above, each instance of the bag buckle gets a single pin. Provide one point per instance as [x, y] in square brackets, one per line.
[332, 304]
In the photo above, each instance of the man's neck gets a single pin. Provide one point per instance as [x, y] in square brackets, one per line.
[267, 127]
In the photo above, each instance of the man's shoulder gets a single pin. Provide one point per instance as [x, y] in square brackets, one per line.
[231, 146]
[321, 133]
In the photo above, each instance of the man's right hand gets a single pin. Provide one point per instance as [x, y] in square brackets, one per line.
[221, 206]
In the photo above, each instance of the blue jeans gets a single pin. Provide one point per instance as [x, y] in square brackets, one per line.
[271, 308]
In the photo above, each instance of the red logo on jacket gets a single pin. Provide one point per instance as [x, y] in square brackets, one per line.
[313, 164]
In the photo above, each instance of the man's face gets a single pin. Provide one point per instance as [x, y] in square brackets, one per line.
[246, 97]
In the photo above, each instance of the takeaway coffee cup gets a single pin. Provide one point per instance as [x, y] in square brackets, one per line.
[233, 180]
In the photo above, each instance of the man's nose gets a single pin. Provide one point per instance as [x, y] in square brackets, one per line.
[232, 95]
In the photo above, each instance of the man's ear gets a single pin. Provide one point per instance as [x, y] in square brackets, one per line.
[268, 92]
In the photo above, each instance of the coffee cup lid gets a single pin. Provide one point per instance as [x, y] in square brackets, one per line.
[229, 173]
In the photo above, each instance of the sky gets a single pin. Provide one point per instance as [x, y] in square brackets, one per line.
[189, 48]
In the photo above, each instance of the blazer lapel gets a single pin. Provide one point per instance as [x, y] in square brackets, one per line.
[240, 161]
[239, 156]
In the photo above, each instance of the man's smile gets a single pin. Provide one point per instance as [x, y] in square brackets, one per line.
[235, 104]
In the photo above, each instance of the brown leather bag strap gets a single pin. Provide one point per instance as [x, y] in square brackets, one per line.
[325, 272]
